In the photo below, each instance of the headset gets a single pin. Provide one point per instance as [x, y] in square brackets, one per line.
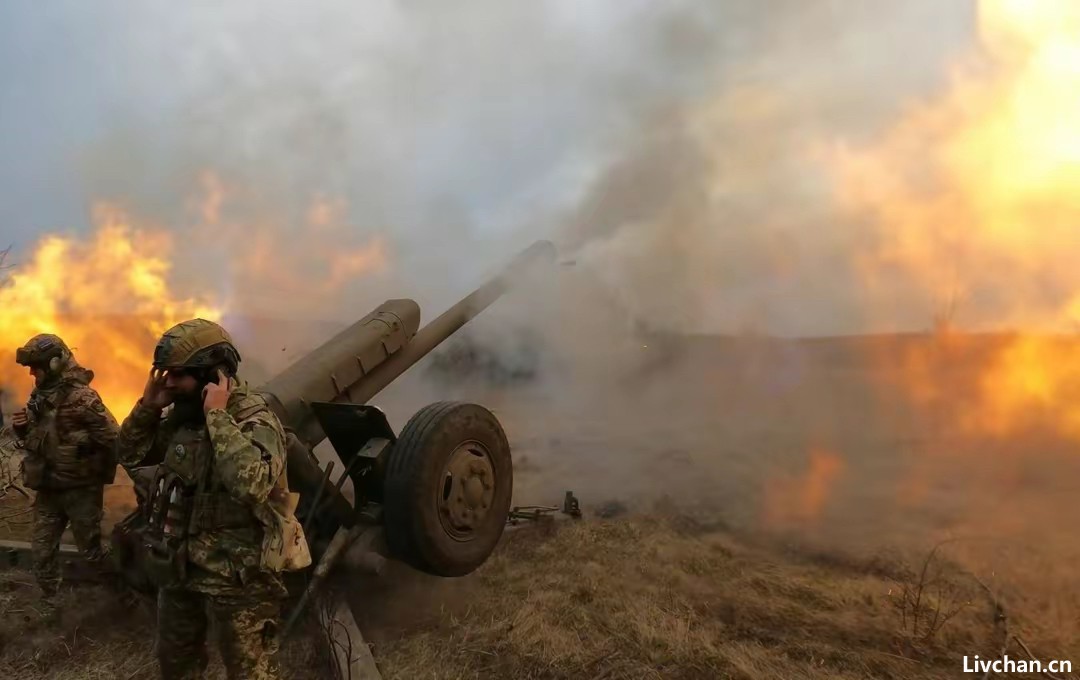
[58, 361]
[27, 356]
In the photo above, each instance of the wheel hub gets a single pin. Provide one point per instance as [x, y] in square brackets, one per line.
[467, 491]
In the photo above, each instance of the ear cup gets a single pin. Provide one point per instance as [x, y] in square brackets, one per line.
[56, 362]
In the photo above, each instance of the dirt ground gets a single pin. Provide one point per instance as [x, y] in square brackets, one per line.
[754, 509]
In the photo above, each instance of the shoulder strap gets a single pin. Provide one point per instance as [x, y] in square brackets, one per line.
[248, 406]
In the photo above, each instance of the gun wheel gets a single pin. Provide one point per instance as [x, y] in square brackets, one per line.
[448, 484]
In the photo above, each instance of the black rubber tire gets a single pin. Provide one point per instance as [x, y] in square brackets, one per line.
[414, 531]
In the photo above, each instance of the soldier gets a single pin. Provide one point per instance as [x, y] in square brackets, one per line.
[210, 507]
[68, 437]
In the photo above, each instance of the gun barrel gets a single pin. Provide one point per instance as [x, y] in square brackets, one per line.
[449, 322]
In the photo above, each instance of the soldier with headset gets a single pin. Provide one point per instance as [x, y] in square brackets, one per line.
[215, 528]
[67, 436]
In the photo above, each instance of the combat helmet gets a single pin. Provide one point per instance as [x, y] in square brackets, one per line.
[196, 344]
[44, 350]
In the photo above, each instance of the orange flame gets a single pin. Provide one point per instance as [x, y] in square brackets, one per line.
[107, 297]
[982, 188]
[299, 271]
[261, 258]
[111, 295]
[1029, 379]
[977, 196]
[800, 500]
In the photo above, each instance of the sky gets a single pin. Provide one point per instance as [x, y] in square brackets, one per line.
[462, 132]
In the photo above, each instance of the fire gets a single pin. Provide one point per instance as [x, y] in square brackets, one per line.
[111, 295]
[261, 258]
[976, 196]
[107, 296]
[979, 190]
[280, 269]
[800, 500]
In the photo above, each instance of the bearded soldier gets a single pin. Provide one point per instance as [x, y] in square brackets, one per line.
[210, 504]
[67, 436]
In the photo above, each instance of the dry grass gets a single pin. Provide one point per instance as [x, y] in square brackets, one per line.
[663, 595]
[654, 597]
[96, 637]
[100, 636]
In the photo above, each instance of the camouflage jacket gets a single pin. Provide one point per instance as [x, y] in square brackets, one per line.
[239, 453]
[72, 431]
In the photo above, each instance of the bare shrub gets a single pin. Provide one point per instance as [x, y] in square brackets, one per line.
[927, 599]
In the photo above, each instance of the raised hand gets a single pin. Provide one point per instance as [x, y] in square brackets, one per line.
[216, 394]
[155, 394]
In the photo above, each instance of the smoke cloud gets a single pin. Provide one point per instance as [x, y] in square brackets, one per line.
[661, 146]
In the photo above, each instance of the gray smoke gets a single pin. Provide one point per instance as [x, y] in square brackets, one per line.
[662, 146]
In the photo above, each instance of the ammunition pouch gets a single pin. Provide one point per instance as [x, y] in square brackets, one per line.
[50, 465]
[161, 536]
[164, 561]
[34, 466]
[67, 467]
[32, 469]
[149, 545]
[128, 553]
[145, 561]
[284, 546]
[219, 510]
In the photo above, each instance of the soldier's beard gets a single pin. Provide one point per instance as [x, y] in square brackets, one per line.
[188, 406]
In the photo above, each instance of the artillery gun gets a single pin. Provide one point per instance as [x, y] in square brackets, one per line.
[435, 496]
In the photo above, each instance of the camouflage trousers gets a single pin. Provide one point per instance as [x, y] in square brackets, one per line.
[247, 623]
[53, 511]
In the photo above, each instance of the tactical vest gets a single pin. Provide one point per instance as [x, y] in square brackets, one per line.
[185, 501]
[50, 465]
